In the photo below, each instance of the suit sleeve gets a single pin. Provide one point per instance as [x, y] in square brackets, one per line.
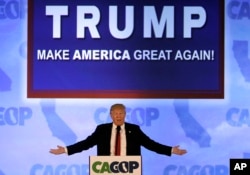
[152, 145]
[80, 146]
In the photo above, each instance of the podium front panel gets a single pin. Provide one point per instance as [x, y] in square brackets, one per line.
[119, 165]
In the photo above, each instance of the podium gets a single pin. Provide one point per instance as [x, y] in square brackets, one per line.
[118, 165]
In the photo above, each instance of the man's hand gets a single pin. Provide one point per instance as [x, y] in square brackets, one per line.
[59, 150]
[178, 151]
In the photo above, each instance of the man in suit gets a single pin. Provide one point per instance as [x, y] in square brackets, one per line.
[131, 139]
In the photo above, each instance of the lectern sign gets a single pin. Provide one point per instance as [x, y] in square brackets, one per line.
[106, 165]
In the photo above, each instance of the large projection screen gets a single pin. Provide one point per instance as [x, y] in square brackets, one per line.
[126, 49]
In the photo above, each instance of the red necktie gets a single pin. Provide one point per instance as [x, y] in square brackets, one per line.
[118, 141]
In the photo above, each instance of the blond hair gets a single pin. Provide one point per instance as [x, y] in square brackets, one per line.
[117, 106]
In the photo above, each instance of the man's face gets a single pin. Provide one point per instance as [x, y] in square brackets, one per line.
[118, 116]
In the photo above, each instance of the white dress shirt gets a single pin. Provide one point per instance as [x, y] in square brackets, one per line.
[123, 140]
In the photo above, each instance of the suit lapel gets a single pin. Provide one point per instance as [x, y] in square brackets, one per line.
[109, 130]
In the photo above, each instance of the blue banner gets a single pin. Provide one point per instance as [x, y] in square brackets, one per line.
[128, 49]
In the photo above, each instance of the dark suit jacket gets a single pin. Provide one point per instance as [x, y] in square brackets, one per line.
[135, 139]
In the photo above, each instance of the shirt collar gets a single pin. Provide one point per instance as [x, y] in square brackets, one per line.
[115, 126]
